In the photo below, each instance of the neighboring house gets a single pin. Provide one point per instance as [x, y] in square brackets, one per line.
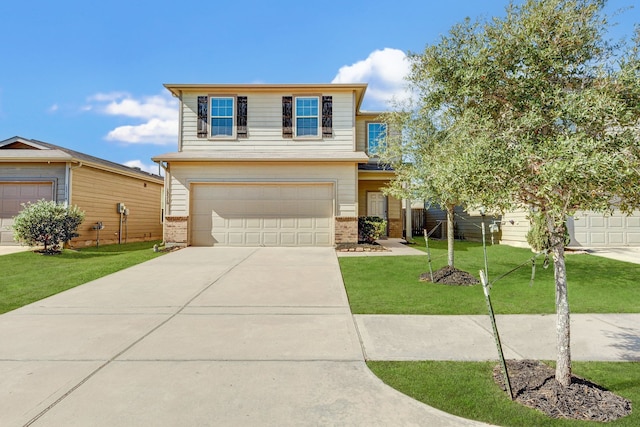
[34, 170]
[274, 165]
[586, 229]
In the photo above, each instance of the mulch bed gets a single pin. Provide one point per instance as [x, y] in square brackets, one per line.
[450, 276]
[533, 384]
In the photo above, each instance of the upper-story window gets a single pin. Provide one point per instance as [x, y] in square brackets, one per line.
[307, 116]
[222, 117]
[376, 134]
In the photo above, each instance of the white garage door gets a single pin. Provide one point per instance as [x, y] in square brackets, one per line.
[12, 195]
[262, 214]
[597, 230]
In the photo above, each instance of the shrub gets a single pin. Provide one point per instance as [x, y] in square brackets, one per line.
[47, 223]
[371, 228]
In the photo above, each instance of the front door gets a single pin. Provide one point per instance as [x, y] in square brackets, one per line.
[376, 204]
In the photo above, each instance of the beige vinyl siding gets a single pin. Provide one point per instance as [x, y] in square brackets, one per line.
[514, 228]
[264, 121]
[342, 174]
[98, 192]
[361, 134]
[55, 172]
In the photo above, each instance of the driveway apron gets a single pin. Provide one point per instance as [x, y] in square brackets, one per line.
[201, 336]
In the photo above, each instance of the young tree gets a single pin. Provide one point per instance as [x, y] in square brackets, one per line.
[425, 163]
[543, 112]
[47, 223]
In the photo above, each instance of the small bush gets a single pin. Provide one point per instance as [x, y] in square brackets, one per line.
[47, 223]
[370, 228]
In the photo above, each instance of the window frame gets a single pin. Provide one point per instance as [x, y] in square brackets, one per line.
[379, 140]
[318, 116]
[233, 117]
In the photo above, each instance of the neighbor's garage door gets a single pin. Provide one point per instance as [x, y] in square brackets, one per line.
[262, 214]
[12, 195]
[592, 229]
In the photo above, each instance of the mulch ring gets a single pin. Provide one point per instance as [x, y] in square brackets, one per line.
[450, 276]
[533, 384]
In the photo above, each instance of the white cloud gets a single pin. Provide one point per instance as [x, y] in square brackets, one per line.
[158, 113]
[384, 71]
[151, 168]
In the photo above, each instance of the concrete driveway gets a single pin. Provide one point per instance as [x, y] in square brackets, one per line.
[201, 336]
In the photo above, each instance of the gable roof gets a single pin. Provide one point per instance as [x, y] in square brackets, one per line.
[19, 149]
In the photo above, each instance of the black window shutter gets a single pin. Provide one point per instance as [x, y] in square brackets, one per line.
[327, 116]
[203, 116]
[241, 117]
[287, 117]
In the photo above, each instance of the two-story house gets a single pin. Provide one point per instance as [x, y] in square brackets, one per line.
[274, 165]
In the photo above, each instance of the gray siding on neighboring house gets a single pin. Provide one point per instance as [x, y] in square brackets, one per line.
[16, 172]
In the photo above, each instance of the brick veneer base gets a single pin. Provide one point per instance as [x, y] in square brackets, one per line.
[175, 230]
[346, 229]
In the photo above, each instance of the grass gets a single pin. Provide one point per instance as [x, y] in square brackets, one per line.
[28, 277]
[390, 285]
[467, 389]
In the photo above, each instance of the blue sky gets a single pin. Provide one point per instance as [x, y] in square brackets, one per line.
[88, 75]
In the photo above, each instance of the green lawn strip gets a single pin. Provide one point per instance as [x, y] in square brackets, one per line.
[390, 285]
[28, 277]
[467, 389]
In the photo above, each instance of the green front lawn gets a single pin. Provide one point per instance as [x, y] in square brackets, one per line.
[467, 389]
[390, 285]
[28, 277]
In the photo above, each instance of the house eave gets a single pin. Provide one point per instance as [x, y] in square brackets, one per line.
[263, 156]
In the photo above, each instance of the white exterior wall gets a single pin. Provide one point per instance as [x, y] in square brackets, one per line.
[264, 124]
[342, 175]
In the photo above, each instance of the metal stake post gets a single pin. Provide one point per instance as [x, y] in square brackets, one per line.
[426, 241]
[485, 286]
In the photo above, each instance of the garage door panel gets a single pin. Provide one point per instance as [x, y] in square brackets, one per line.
[263, 214]
[287, 238]
[596, 229]
[14, 195]
[305, 239]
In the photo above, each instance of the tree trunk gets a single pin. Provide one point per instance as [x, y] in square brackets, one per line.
[450, 235]
[563, 326]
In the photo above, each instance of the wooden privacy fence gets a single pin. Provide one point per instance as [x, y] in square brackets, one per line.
[419, 223]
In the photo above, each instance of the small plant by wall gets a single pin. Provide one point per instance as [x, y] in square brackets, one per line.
[370, 228]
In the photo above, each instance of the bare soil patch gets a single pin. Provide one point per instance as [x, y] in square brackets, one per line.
[534, 385]
[450, 276]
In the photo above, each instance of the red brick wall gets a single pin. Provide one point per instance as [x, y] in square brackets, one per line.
[346, 230]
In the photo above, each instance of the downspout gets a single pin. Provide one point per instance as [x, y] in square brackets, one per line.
[165, 196]
[67, 182]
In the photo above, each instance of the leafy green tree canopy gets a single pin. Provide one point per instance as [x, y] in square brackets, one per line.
[536, 109]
